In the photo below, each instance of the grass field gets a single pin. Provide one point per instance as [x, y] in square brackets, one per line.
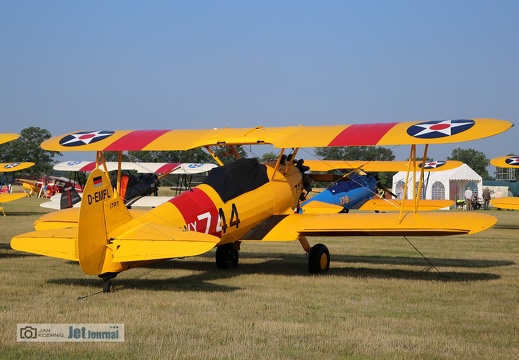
[380, 300]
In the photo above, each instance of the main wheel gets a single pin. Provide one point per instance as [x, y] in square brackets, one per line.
[318, 259]
[226, 257]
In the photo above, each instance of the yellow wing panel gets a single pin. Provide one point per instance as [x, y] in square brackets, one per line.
[58, 243]
[506, 162]
[382, 224]
[394, 205]
[10, 167]
[510, 203]
[153, 242]
[406, 133]
[11, 197]
[8, 137]
[377, 166]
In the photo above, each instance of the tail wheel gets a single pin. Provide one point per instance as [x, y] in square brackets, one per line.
[318, 259]
[227, 257]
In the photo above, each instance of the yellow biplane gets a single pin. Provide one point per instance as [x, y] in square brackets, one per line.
[239, 202]
[509, 202]
[6, 169]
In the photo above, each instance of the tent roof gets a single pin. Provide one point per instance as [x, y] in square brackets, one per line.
[463, 172]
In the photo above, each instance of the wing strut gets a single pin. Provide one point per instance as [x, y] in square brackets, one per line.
[418, 190]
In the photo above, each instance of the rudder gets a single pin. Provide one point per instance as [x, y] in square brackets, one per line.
[102, 210]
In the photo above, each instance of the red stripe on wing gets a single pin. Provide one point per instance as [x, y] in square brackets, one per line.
[88, 167]
[135, 140]
[362, 135]
[167, 168]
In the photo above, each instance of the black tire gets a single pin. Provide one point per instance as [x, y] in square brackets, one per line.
[227, 257]
[318, 259]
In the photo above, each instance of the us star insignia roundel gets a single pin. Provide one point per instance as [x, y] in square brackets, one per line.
[433, 164]
[12, 165]
[85, 138]
[512, 161]
[439, 129]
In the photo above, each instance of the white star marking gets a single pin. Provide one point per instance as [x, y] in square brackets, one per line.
[85, 138]
[515, 161]
[443, 127]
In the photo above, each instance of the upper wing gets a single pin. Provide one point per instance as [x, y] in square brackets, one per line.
[506, 162]
[10, 167]
[190, 168]
[290, 227]
[8, 137]
[378, 166]
[405, 133]
[141, 167]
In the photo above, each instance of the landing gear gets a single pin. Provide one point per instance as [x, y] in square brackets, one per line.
[318, 256]
[107, 284]
[318, 259]
[227, 256]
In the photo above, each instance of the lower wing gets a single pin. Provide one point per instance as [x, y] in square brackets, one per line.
[290, 227]
[510, 203]
[394, 205]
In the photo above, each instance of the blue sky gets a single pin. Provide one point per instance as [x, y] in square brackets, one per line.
[95, 65]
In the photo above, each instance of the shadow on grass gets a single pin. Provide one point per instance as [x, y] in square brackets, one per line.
[11, 254]
[11, 213]
[418, 261]
[286, 265]
[505, 226]
[194, 283]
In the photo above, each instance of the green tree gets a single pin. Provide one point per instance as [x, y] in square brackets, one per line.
[27, 148]
[473, 158]
[188, 156]
[355, 153]
[360, 153]
[268, 156]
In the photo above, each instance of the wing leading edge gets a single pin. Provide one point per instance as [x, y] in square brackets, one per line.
[403, 133]
[290, 227]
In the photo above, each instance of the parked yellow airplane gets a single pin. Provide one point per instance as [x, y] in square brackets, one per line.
[240, 202]
[509, 202]
[9, 168]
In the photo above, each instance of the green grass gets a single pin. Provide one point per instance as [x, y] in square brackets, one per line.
[380, 300]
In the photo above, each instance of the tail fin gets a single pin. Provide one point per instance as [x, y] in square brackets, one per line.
[69, 197]
[102, 211]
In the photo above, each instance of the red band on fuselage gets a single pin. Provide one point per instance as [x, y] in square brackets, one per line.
[135, 140]
[362, 135]
[198, 210]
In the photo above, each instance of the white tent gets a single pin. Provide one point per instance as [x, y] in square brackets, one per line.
[443, 185]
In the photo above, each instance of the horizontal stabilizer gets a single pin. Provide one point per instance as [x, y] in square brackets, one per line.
[394, 205]
[58, 243]
[363, 224]
[510, 203]
[153, 242]
[67, 218]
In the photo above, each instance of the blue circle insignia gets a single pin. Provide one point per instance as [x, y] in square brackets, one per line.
[85, 137]
[439, 128]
